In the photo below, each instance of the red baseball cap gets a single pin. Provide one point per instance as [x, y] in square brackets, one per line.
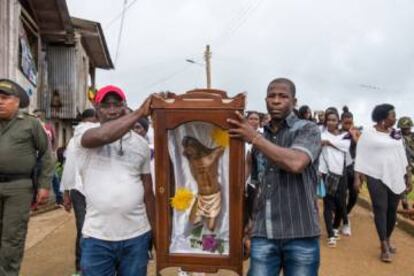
[100, 95]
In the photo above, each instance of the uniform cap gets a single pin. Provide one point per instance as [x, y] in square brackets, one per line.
[11, 88]
[405, 122]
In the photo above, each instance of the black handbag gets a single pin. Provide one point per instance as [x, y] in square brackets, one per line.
[332, 180]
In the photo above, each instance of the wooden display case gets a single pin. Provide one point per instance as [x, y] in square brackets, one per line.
[199, 175]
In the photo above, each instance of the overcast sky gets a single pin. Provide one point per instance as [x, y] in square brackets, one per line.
[358, 53]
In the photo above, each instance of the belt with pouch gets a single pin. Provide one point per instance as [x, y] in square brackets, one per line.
[9, 177]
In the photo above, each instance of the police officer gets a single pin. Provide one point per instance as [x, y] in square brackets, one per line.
[405, 124]
[23, 142]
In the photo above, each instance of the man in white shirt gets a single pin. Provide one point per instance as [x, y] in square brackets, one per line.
[113, 163]
[72, 188]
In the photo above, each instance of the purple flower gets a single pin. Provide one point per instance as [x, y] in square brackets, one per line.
[210, 243]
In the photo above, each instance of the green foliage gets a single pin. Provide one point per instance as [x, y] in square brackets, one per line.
[196, 232]
[220, 248]
[411, 196]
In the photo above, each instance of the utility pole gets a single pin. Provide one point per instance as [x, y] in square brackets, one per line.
[207, 58]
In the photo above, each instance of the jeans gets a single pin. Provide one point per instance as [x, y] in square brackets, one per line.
[79, 208]
[56, 189]
[296, 257]
[385, 204]
[109, 258]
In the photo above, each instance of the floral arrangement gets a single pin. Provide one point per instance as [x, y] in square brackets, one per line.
[220, 137]
[211, 244]
[91, 94]
[182, 199]
[206, 242]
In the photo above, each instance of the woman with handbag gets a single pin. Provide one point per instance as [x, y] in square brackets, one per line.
[332, 164]
[347, 126]
[381, 157]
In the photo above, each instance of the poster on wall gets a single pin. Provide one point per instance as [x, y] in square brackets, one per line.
[27, 62]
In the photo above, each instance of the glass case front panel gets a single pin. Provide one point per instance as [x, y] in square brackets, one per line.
[199, 153]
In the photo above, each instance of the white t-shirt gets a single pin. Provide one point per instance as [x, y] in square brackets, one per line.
[382, 157]
[112, 185]
[332, 158]
[69, 174]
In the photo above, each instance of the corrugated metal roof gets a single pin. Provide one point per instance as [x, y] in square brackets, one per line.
[93, 40]
[53, 19]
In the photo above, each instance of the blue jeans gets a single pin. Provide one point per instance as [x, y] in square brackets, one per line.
[56, 189]
[296, 257]
[109, 258]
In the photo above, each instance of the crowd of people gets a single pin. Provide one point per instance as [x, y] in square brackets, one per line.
[382, 158]
[293, 158]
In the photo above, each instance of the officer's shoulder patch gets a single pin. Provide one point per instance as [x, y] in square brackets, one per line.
[27, 114]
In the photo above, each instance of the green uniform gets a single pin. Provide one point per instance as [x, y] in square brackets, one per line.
[409, 147]
[23, 141]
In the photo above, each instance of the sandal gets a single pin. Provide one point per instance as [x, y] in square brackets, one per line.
[386, 257]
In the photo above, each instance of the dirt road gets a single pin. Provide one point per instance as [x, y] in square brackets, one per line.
[50, 247]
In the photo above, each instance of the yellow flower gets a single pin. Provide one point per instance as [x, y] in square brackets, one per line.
[220, 137]
[182, 199]
[91, 94]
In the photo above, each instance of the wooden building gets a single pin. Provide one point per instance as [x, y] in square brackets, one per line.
[52, 56]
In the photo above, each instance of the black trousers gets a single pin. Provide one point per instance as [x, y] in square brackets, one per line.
[79, 208]
[384, 204]
[350, 197]
[352, 193]
[335, 204]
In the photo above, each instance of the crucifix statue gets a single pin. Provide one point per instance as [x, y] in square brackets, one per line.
[204, 168]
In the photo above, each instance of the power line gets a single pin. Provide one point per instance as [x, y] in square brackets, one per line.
[172, 75]
[120, 31]
[233, 24]
[159, 63]
[243, 20]
[238, 21]
[121, 14]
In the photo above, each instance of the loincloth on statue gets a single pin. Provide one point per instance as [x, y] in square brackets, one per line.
[208, 206]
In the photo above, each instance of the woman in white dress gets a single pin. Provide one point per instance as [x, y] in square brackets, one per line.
[381, 157]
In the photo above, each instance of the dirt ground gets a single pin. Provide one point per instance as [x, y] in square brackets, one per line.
[50, 247]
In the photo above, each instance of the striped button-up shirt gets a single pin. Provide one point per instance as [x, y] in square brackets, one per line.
[285, 203]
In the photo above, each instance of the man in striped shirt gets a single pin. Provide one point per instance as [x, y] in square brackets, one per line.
[285, 225]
